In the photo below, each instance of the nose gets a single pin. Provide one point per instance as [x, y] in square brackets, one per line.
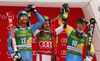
[47, 24]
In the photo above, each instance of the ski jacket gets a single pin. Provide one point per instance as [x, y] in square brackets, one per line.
[75, 45]
[44, 41]
[23, 36]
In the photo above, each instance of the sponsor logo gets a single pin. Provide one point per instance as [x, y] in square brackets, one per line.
[64, 40]
[8, 28]
[46, 17]
[8, 54]
[34, 52]
[92, 21]
[5, 16]
[24, 31]
[33, 40]
[45, 44]
[63, 52]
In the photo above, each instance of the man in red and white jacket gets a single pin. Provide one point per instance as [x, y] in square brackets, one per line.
[44, 40]
[44, 37]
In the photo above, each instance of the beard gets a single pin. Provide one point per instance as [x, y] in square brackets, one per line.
[23, 22]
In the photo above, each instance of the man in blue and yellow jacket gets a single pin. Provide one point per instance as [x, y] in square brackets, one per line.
[76, 37]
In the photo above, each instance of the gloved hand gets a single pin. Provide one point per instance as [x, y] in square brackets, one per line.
[65, 8]
[88, 58]
[16, 56]
[30, 8]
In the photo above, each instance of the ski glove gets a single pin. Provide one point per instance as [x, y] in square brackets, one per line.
[16, 56]
[65, 8]
[30, 8]
[88, 58]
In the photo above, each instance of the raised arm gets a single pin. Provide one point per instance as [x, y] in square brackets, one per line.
[62, 20]
[38, 24]
[31, 8]
[59, 29]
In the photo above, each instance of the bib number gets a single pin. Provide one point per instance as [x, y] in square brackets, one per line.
[23, 40]
[74, 43]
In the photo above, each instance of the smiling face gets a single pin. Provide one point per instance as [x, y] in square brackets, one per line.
[46, 25]
[81, 26]
[23, 20]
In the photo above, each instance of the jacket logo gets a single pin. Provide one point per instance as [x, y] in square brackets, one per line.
[46, 17]
[24, 31]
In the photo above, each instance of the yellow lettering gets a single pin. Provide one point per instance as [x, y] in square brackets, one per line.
[77, 38]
